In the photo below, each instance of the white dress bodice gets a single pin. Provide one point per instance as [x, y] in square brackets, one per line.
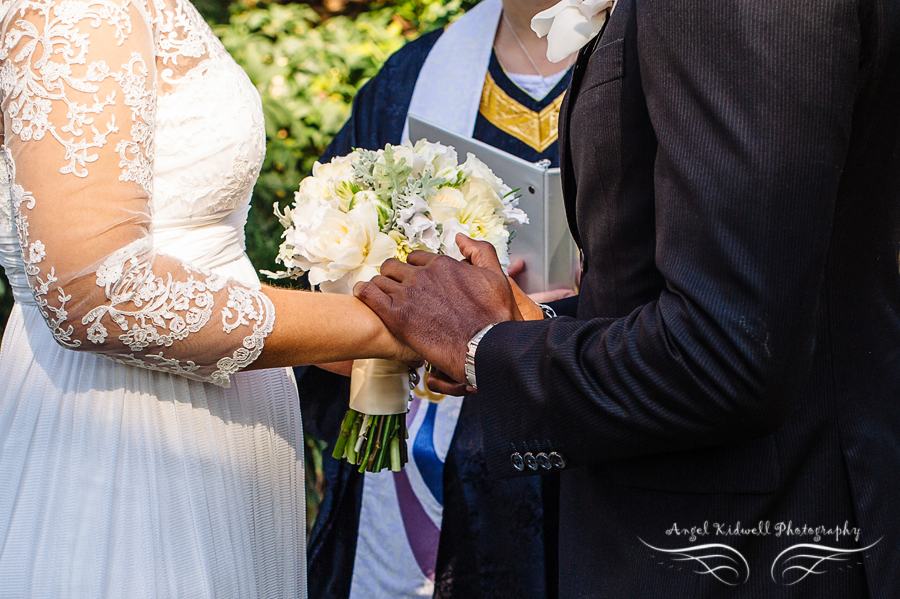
[210, 145]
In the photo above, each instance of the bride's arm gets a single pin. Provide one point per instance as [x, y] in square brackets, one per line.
[79, 105]
[334, 328]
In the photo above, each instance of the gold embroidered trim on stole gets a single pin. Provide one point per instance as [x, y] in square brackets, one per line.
[535, 129]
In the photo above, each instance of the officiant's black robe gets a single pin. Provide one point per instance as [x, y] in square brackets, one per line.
[499, 536]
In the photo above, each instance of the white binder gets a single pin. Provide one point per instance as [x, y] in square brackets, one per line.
[550, 254]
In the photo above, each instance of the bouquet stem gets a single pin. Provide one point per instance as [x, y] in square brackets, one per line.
[381, 441]
[373, 433]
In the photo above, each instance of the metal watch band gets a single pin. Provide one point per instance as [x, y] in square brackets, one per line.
[547, 310]
[470, 355]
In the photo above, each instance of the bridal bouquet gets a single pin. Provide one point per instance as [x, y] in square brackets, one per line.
[357, 211]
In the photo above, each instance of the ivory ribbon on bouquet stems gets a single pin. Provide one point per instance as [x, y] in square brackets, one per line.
[379, 387]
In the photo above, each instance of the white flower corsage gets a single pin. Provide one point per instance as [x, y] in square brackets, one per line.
[569, 25]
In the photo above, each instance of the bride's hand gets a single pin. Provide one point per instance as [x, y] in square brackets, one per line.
[404, 353]
[515, 269]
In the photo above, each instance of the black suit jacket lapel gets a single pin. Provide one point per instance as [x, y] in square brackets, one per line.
[566, 174]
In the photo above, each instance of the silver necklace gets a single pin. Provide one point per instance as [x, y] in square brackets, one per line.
[521, 45]
[525, 50]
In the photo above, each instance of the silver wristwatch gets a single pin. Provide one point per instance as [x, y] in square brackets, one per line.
[547, 310]
[470, 355]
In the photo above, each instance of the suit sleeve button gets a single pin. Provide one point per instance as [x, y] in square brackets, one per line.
[543, 461]
[517, 462]
[530, 461]
[557, 459]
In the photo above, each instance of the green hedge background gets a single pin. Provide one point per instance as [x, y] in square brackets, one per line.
[307, 61]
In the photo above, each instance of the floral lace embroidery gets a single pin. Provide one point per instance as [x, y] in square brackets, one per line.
[178, 307]
[31, 258]
[255, 306]
[134, 154]
[164, 364]
[181, 32]
[6, 210]
[150, 310]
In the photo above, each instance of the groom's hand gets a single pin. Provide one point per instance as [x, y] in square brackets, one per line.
[436, 304]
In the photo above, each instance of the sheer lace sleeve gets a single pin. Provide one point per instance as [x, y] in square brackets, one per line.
[79, 97]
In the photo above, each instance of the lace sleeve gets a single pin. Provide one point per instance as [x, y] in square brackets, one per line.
[79, 97]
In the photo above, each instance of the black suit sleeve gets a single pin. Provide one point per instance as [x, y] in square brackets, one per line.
[751, 104]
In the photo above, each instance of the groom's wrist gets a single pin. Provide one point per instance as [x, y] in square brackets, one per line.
[471, 349]
[472, 346]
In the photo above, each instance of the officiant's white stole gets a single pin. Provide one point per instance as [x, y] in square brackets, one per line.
[448, 90]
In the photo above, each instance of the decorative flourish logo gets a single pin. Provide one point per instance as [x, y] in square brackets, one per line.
[722, 562]
[819, 556]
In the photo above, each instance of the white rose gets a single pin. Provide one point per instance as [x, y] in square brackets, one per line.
[485, 223]
[570, 25]
[496, 237]
[476, 169]
[478, 190]
[443, 159]
[311, 188]
[339, 168]
[446, 203]
[347, 248]
[337, 177]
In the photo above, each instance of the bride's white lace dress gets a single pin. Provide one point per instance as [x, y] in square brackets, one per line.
[137, 459]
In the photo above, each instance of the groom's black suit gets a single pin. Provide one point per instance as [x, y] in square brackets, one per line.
[732, 174]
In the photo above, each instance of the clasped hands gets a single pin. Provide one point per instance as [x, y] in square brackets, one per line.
[435, 305]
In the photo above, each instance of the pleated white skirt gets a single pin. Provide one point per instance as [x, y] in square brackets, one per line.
[117, 481]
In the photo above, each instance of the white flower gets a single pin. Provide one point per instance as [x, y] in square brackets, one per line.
[443, 159]
[333, 231]
[569, 25]
[479, 220]
[496, 236]
[478, 190]
[306, 218]
[334, 180]
[417, 227]
[485, 223]
[346, 248]
[366, 195]
[339, 168]
[311, 188]
[446, 203]
[96, 333]
[475, 169]
[515, 216]
[417, 162]
[452, 227]
[37, 251]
